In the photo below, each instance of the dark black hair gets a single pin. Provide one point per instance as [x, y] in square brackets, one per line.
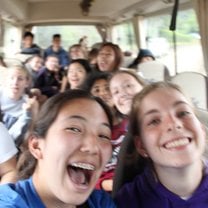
[56, 36]
[93, 77]
[28, 34]
[84, 63]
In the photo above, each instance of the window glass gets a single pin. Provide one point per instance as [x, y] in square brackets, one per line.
[70, 35]
[123, 35]
[159, 39]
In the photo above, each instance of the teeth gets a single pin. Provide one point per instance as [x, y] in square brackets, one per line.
[177, 143]
[83, 166]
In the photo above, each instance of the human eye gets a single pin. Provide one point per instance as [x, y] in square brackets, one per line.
[104, 136]
[73, 129]
[183, 113]
[20, 78]
[154, 122]
[114, 92]
[95, 91]
[127, 85]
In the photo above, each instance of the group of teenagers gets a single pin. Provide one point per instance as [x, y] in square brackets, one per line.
[113, 140]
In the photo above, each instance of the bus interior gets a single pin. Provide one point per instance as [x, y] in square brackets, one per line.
[175, 31]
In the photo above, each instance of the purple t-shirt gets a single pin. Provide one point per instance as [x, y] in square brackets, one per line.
[146, 192]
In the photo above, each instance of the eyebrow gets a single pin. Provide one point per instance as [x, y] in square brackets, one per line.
[85, 120]
[180, 102]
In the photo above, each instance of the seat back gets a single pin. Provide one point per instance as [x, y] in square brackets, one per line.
[154, 71]
[195, 86]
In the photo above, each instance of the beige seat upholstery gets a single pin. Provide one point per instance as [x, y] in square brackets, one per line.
[154, 71]
[195, 86]
[12, 62]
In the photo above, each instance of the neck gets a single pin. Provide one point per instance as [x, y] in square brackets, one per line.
[47, 197]
[56, 48]
[180, 180]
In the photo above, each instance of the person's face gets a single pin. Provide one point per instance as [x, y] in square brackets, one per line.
[76, 53]
[171, 134]
[100, 88]
[17, 82]
[123, 88]
[57, 42]
[76, 75]
[36, 63]
[106, 59]
[27, 42]
[73, 154]
[52, 63]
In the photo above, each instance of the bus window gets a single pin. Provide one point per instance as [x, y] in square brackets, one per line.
[123, 35]
[70, 35]
[11, 41]
[159, 39]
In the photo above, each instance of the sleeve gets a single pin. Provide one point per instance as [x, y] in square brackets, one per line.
[20, 126]
[7, 147]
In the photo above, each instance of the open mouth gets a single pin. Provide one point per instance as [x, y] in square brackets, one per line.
[177, 143]
[80, 173]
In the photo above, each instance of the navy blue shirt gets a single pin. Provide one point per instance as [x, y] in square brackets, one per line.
[23, 195]
[146, 192]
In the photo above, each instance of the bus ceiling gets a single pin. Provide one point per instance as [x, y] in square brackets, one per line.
[33, 12]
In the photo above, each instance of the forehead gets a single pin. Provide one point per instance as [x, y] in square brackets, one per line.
[120, 77]
[100, 81]
[56, 39]
[76, 48]
[76, 65]
[163, 98]
[52, 59]
[16, 72]
[108, 49]
[36, 58]
[90, 110]
[28, 38]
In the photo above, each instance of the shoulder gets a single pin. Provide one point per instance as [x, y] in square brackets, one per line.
[8, 148]
[10, 197]
[62, 50]
[100, 199]
[20, 195]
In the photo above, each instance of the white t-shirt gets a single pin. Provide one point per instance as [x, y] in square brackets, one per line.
[7, 146]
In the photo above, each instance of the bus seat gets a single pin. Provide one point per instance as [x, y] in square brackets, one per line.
[195, 86]
[12, 62]
[22, 57]
[127, 60]
[154, 71]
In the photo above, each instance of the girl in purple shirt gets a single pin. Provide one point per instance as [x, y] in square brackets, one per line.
[168, 135]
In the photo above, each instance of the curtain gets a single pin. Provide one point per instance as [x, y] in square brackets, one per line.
[201, 8]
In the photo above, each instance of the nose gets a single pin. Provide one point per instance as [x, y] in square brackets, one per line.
[173, 123]
[90, 144]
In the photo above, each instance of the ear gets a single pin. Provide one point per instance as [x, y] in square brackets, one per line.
[140, 147]
[35, 146]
